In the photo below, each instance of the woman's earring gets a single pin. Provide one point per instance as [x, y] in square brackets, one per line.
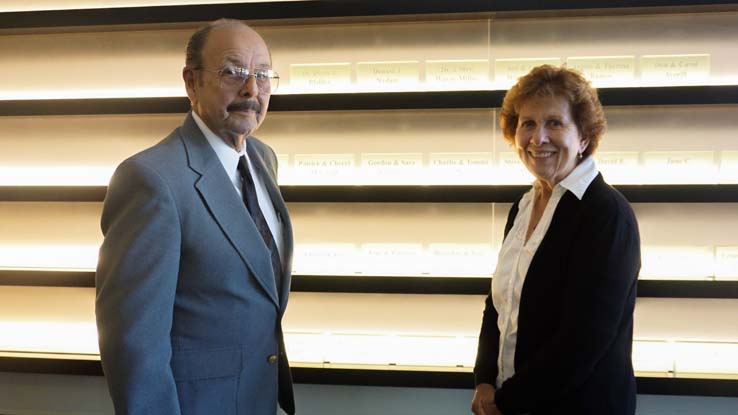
[580, 155]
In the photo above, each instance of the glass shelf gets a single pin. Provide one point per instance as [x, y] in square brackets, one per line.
[343, 239]
[462, 54]
[440, 334]
[644, 145]
[400, 260]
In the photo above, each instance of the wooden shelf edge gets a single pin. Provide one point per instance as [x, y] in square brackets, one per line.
[325, 9]
[52, 193]
[368, 101]
[390, 284]
[392, 378]
[44, 278]
[687, 193]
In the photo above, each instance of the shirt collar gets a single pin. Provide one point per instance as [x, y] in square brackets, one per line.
[580, 178]
[227, 155]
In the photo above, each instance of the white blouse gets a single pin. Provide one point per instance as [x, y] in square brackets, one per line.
[516, 255]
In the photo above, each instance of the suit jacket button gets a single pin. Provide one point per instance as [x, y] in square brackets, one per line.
[272, 359]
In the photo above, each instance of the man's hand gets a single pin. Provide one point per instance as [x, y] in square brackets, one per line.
[483, 402]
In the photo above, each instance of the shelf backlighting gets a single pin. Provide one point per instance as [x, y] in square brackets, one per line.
[401, 351]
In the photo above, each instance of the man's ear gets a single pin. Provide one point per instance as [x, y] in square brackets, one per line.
[190, 79]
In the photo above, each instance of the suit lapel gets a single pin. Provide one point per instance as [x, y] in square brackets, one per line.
[281, 208]
[216, 190]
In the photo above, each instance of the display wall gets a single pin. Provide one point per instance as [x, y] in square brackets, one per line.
[395, 172]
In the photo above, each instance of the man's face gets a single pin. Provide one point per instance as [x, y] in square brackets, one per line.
[231, 112]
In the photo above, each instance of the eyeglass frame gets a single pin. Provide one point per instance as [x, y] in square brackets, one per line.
[245, 74]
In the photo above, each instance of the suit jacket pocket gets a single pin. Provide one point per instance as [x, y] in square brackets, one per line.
[207, 380]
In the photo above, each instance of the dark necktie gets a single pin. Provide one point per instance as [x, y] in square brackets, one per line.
[252, 204]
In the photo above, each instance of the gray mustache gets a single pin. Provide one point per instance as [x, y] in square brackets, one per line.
[245, 105]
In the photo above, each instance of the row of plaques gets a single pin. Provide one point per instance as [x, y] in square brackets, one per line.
[480, 260]
[470, 168]
[476, 73]
[407, 259]
[623, 167]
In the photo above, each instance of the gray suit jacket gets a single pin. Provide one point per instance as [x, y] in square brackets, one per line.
[187, 308]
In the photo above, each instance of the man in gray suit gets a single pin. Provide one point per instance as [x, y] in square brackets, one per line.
[194, 271]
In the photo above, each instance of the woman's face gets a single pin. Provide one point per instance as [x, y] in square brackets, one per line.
[547, 138]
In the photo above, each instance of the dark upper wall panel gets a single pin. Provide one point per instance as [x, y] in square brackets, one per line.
[318, 9]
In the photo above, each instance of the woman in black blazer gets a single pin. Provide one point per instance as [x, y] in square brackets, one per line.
[557, 330]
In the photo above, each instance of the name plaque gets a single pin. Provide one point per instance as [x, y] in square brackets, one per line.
[461, 168]
[675, 69]
[652, 356]
[461, 260]
[392, 259]
[678, 262]
[434, 350]
[388, 75]
[325, 259]
[511, 170]
[726, 262]
[680, 167]
[284, 170]
[729, 167]
[457, 73]
[56, 175]
[715, 358]
[67, 257]
[360, 349]
[392, 167]
[320, 76]
[605, 70]
[619, 167]
[507, 71]
[323, 168]
[305, 347]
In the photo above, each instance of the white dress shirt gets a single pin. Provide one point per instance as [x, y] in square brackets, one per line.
[516, 255]
[229, 159]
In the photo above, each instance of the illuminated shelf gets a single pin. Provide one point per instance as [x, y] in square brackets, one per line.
[668, 95]
[461, 379]
[318, 8]
[390, 285]
[438, 334]
[652, 193]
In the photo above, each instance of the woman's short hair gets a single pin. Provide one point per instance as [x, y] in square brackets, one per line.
[548, 80]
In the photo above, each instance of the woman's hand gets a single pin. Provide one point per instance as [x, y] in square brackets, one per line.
[483, 402]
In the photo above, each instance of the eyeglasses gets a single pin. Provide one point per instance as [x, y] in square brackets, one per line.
[267, 80]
